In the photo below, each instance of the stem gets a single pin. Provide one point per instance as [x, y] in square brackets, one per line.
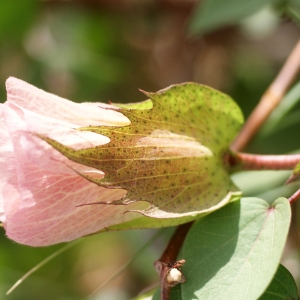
[294, 197]
[172, 250]
[270, 99]
[168, 263]
[243, 161]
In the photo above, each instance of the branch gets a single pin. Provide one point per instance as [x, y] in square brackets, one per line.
[238, 161]
[270, 99]
[167, 267]
[294, 197]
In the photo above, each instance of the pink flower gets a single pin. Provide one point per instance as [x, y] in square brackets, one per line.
[40, 195]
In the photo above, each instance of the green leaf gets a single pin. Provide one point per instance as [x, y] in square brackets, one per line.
[283, 286]
[278, 119]
[264, 184]
[170, 155]
[212, 14]
[261, 181]
[234, 252]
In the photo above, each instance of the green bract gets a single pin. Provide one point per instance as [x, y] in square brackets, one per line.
[295, 175]
[170, 155]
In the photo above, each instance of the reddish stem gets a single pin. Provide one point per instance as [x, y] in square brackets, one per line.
[243, 161]
[294, 197]
[172, 250]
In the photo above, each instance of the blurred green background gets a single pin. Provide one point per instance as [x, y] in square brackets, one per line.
[102, 50]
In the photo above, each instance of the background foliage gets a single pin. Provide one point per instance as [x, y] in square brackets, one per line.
[97, 50]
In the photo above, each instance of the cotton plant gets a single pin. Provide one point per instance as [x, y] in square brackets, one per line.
[69, 170]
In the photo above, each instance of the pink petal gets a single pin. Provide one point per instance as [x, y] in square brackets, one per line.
[40, 193]
[6, 158]
[36, 100]
[47, 212]
[58, 118]
[42, 207]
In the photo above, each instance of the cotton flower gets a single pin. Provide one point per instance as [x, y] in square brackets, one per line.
[68, 170]
[40, 193]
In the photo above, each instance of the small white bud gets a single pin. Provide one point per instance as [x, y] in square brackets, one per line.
[174, 276]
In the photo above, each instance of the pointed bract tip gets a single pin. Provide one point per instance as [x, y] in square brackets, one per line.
[144, 92]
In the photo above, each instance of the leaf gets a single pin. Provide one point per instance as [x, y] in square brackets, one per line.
[234, 252]
[213, 14]
[283, 286]
[264, 184]
[170, 155]
[278, 118]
